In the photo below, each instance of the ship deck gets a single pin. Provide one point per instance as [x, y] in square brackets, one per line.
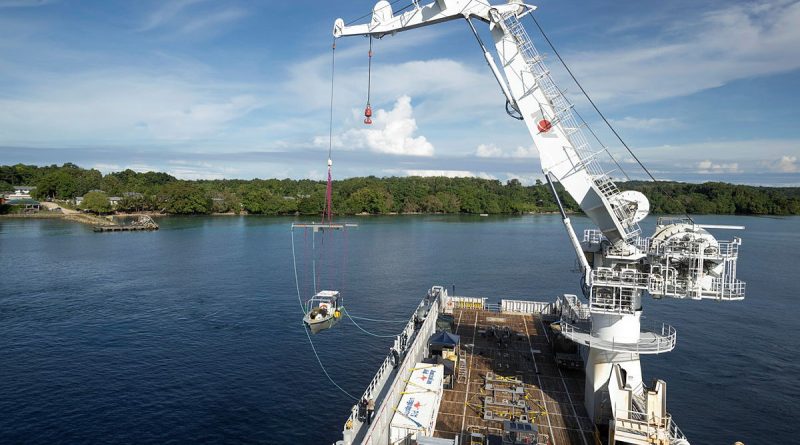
[554, 395]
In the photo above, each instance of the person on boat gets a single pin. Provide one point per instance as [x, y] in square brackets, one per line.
[362, 409]
[370, 410]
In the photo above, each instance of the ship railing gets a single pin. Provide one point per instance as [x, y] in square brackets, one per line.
[593, 236]
[573, 308]
[668, 220]
[652, 340]
[476, 303]
[724, 250]
[620, 278]
[526, 307]
[725, 288]
[352, 427]
[638, 423]
[606, 300]
[639, 399]
[493, 307]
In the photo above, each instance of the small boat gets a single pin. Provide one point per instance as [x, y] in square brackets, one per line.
[322, 311]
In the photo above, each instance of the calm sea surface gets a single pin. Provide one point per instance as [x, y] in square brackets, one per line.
[192, 334]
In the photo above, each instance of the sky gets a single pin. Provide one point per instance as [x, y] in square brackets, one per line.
[207, 89]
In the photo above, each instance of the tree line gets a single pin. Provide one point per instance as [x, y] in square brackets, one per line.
[161, 192]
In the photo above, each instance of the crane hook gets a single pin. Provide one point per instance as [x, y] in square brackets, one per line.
[368, 115]
[368, 110]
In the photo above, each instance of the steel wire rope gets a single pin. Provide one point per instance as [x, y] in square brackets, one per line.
[376, 10]
[369, 72]
[305, 328]
[364, 330]
[600, 113]
[597, 138]
[378, 320]
[330, 114]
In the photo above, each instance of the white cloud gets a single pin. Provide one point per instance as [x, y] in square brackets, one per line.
[166, 13]
[705, 51]
[122, 106]
[438, 85]
[525, 152]
[653, 123]
[709, 167]
[745, 152]
[392, 132]
[492, 151]
[786, 164]
[488, 151]
[525, 179]
[212, 20]
[106, 168]
[24, 3]
[187, 169]
[446, 173]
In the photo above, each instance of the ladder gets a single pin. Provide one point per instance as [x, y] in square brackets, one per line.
[462, 366]
[563, 115]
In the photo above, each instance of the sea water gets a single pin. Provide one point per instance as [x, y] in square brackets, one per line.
[192, 334]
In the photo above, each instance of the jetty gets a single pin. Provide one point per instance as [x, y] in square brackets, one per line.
[142, 223]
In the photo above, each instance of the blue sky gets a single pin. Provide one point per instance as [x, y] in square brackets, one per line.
[703, 91]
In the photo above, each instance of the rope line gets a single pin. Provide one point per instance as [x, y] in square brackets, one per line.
[364, 330]
[305, 328]
[591, 130]
[296, 279]
[379, 320]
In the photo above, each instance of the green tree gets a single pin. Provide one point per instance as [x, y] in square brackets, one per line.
[135, 203]
[369, 200]
[185, 198]
[96, 202]
[263, 201]
[58, 184]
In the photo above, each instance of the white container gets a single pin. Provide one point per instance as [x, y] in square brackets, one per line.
[419, 406]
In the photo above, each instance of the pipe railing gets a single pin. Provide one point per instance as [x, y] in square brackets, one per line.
[655, 341]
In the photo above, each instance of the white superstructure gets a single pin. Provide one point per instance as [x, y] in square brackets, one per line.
[680, 260]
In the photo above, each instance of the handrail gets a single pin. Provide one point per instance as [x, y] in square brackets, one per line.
[662, 340]
[668, 425]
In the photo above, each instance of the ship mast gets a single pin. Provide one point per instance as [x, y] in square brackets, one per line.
[680, 260]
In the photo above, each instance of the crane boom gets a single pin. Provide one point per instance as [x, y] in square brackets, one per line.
[563, 149]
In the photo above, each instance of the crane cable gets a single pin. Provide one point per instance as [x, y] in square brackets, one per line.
[600, 113]
[569, 71]
[329, 187]
[368, 109]
[329, 214]
[305, 328]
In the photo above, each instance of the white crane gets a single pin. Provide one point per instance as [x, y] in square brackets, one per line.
[680, 260]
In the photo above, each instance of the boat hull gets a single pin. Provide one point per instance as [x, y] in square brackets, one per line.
[318, 325]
